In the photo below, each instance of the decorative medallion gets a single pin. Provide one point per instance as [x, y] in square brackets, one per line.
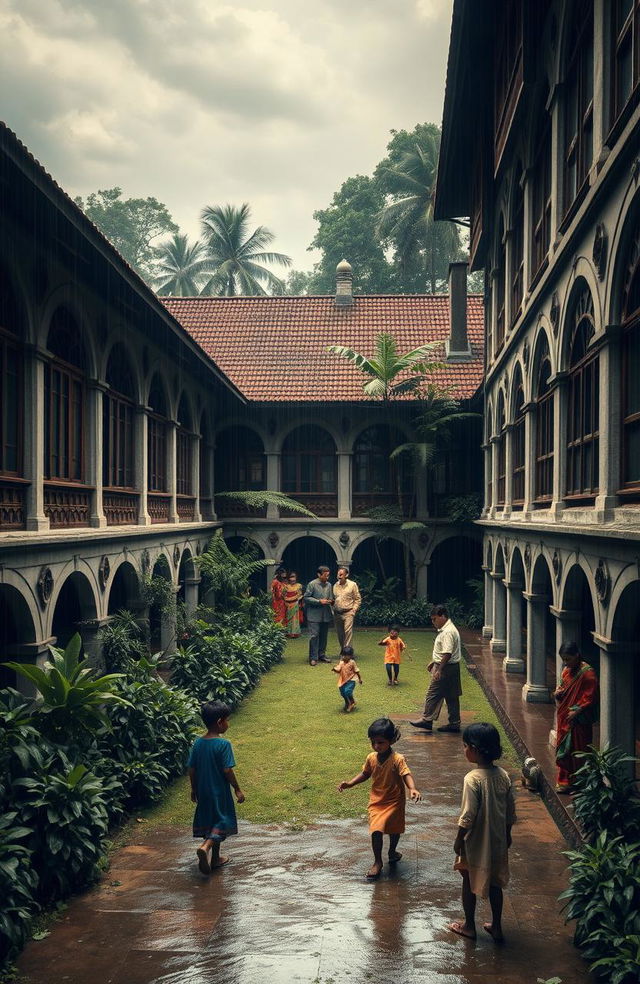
[145, 561]
[556, 563]
[176, 555]
[527, 557]
[44, 585]
[344, 538]
[555, 312]
[603, 581]
[599, 251]
[525, 354]
[274, 539]
[104, 572]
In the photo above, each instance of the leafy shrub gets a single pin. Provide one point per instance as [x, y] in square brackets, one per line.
[604, 899]
[123, 642]
[605, 793]
[410, 614]
[463, 508]
[18, 882]
[66, 814]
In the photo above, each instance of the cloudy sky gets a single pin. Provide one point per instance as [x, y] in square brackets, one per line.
[273, 102]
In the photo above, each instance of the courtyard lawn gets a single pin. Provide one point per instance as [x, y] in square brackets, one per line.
[293, 744]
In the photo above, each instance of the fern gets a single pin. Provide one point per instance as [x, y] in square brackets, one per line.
[258, 500]
[228, 572]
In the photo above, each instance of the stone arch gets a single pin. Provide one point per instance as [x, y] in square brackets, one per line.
[517, 379]
[489, 555]
[305, 552]
[579, 287]
[124, 589]
[185, 413]
[118, 353]
[516, 568]
[543, 343]
[541, 633]
[74, 602]
[62, 306]
[307, 421]
[158, 386]
[17, 631]
[14, 310]
[621, 683]
[161, 630]
[453, 562]
[577, 593]
[625, 232]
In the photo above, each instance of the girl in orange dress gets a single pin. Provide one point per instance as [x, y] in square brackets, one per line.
[392, 654]
[389, 774]
[277, 596]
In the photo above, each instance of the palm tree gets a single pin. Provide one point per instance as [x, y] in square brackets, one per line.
[236, 256]
[385, 365]
[181, 267]
[408, 220]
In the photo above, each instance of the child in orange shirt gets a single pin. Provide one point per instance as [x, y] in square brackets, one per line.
[347, 671]
[390, 779]
[392, 654]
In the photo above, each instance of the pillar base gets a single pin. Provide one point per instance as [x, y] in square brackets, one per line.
[487, 631]
[38, 524]
[498, 645]
[534, 693]
[98, 522]
[514, 664]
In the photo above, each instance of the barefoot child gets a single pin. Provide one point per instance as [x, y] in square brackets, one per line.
[484, 830]
[390, 774]
[392, 654]
[211, 773]
[347, 672]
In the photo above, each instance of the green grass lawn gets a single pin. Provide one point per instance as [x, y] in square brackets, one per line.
[293, 744]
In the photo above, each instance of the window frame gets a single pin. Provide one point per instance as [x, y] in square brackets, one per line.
[518, 458]
[55, 439]
[314, 456]
[9, 343]
[583, 395]
[541, 211]
[630, 489]
[545, 447]
[622, 33]
[578, 146]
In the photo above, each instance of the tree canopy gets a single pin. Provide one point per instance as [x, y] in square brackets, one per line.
[237, 255]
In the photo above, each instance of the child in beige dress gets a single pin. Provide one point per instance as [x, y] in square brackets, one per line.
[484, 831]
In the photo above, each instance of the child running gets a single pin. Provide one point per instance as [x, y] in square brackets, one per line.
[390, 774]
[484, 831]
[348, 672]
[211, 773]
[392, 654]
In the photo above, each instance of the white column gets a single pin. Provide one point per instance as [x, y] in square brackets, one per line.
[421, 581]
[498, 643]
[273, 479]
[141, 464]
[557, 165]
[527, 214]
[172, 444]
[486, 461]
[529, 458]
[34, 417]
[91, 643]
[191, 594]
[616, 693]
[195, 476]
[610, 422]
[601, 31]
[344, 485]
[487, 628]
[535, 690]
[493, 441]
[560, 399]
[508, 469]
[168, 629]
[93, 460]
[513, 661]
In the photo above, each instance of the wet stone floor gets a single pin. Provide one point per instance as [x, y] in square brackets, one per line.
[294, 906]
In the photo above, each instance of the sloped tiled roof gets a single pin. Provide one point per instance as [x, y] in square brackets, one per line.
[276, 348]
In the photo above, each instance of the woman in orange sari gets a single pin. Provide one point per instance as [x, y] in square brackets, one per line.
[577, 700]
[277, 596]
[292, 593]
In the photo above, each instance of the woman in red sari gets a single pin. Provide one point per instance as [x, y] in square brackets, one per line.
[577, 699]
[277, 596]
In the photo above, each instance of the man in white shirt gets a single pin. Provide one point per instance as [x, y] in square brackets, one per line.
[445, 684]
[346, 602]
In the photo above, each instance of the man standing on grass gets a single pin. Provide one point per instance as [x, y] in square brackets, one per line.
[318, 601]
[346, 602]
[445, 683]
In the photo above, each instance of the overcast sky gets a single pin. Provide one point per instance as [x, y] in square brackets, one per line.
[273, 102]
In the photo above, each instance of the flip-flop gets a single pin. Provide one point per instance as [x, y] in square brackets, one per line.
[220, 864]
[498, 940]
[456, 927]
[373, 877]
[203, 861]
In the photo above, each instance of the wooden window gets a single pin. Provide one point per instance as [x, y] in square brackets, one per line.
[544, 432]
[518, 449]
[507, 69]
[517, 252]
[631, 374]
[118, 423]
[578, 106]
[541, 217]
[625, 55]
[373, 470]
[502, 454]
[500, 289]
[11, 382]
[309, 462]
[584, 404]
[183, 450]
[157, 440]
[240, 461]
[65, 399]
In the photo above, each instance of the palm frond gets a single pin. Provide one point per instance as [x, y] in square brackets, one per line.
[260, 499]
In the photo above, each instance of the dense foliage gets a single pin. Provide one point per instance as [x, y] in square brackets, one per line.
[604, 891]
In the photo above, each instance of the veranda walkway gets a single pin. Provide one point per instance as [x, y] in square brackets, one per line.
[294, 906]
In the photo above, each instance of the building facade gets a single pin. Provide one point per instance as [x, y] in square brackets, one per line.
[121, 416]
[540, 149]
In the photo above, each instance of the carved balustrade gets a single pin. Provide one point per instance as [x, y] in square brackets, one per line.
[12, 505]
[121, 508]
[67, 505]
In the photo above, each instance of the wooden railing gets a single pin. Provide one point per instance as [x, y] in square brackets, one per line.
[232, 509]
[206, 508]
[120, 508]
[66, 505]
[323, 504]
[12, 505]
[158, 507]
[186, 505]
[362, 502]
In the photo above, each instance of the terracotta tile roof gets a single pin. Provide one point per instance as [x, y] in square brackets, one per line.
[276, 348]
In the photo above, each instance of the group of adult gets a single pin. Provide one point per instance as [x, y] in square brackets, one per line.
[322, 604]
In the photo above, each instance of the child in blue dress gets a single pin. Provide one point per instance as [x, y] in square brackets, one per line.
[211, 773]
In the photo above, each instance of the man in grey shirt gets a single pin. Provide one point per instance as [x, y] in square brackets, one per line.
[445, 684]
[318, 602]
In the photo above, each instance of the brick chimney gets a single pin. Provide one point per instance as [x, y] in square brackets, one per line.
[344, 284]
[457, 346]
